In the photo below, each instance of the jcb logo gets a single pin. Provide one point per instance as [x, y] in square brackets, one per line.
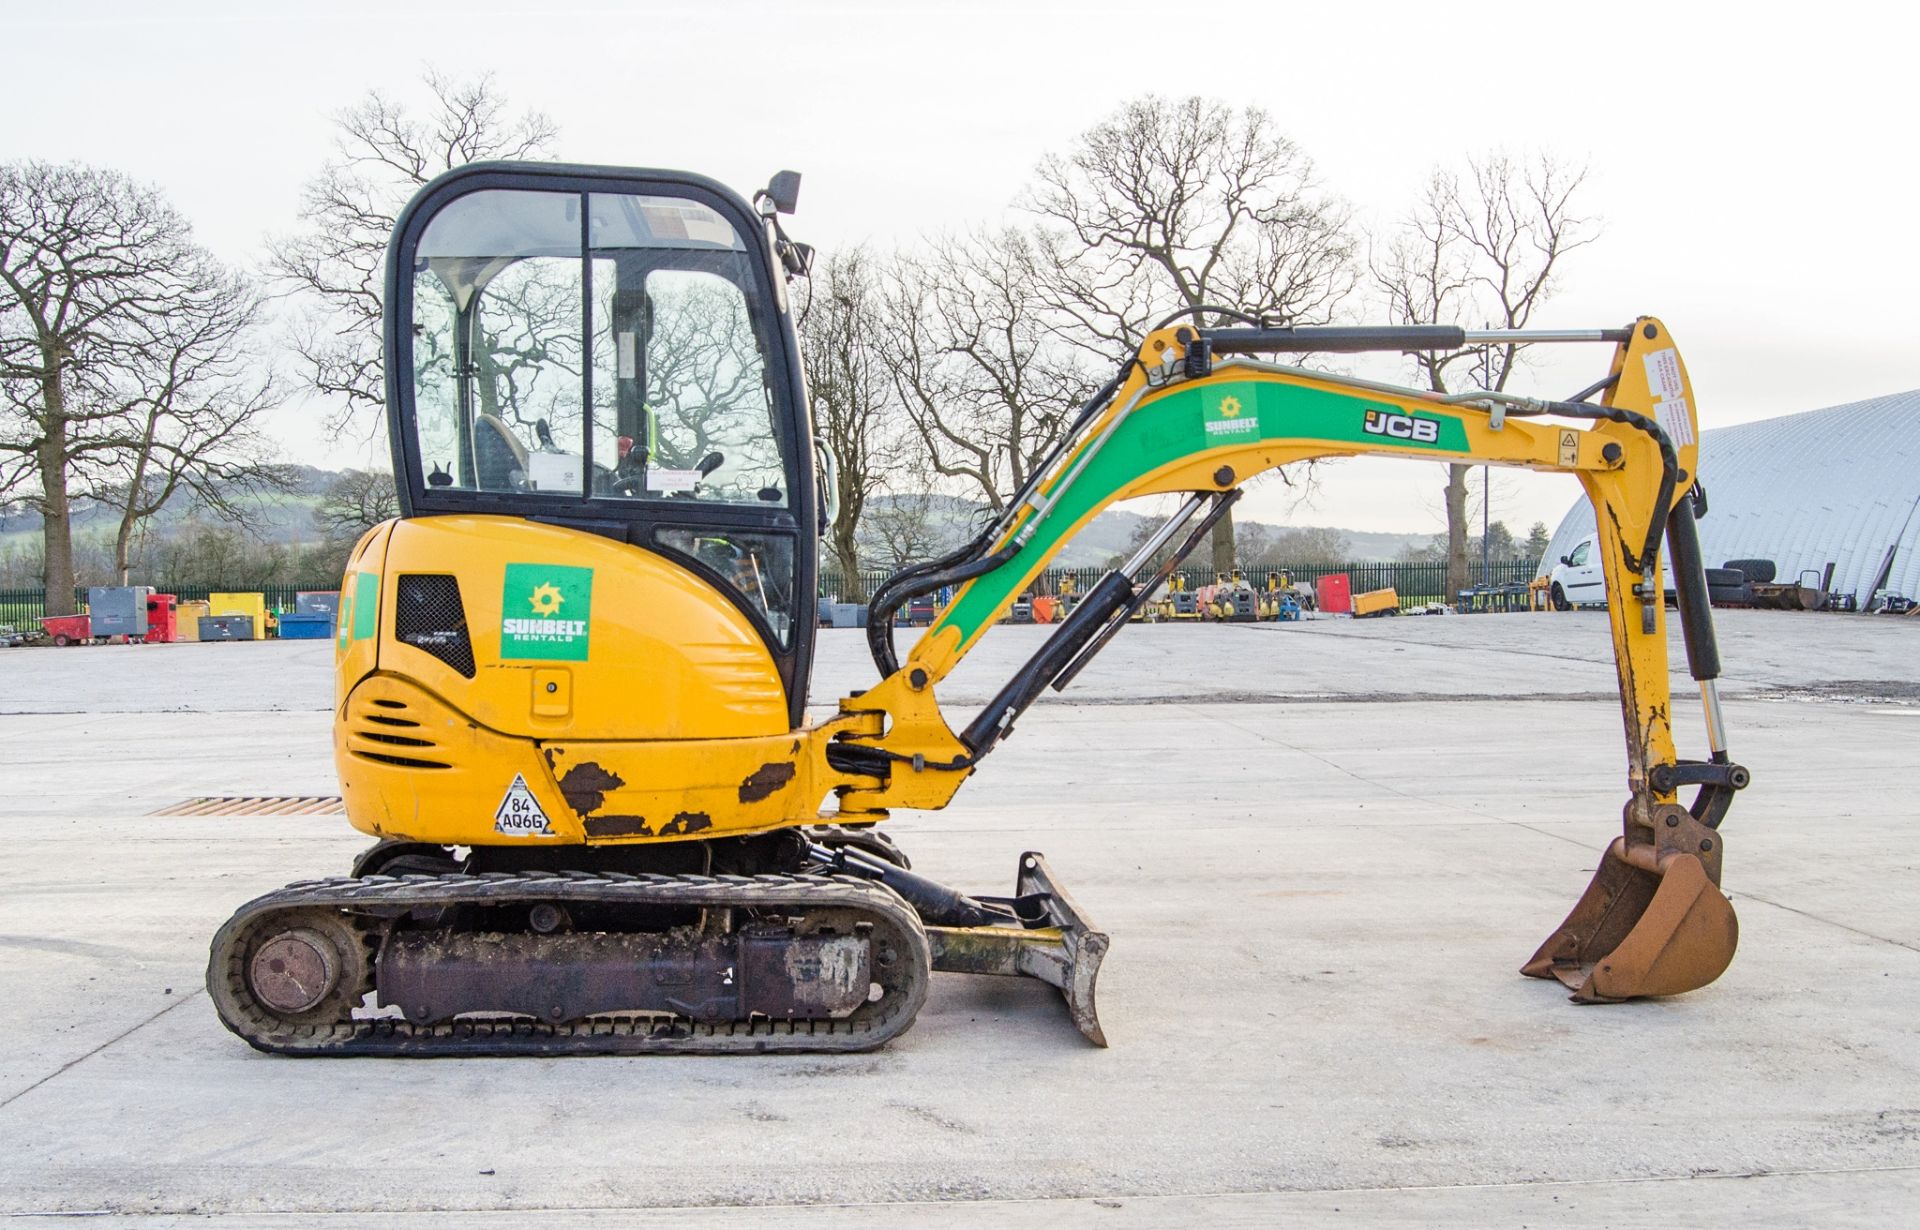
[1402, 427]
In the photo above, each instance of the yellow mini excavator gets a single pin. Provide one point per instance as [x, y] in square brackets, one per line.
[572, 675]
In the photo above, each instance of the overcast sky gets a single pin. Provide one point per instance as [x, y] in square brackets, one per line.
[1752, 164]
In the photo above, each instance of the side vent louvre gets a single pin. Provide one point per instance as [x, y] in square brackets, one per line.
[428, 616]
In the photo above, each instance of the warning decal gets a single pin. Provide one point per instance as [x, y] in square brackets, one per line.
[1669, 391]
[520, 814]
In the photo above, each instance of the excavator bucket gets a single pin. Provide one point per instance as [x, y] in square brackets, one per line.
[1650, 923]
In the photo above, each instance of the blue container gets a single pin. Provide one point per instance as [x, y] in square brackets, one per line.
[315, 627]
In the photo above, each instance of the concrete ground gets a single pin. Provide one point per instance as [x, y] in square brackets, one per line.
[1322, 851]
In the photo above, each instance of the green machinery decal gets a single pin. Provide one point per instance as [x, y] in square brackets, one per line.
[358, 616]
[1180, 425]
[546, 612]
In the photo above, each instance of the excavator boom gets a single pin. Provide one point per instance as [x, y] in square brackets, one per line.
[1198, 413]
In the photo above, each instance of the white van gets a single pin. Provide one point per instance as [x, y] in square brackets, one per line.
[1576, 579]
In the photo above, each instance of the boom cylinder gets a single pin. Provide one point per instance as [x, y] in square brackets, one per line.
[1110, 594]
[1690, 588]
[1696, 617]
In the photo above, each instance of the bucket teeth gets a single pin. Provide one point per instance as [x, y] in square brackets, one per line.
[1652, 922]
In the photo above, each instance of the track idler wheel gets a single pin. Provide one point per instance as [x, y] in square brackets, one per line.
[1652, 922]
[294, 971]
[305, 968]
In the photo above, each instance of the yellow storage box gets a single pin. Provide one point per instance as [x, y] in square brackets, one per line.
[1376, 602]
[187, 620]
[242, 604]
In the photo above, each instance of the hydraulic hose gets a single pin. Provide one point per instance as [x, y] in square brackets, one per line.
[966, 562]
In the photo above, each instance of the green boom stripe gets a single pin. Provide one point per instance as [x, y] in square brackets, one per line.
[1181, 424]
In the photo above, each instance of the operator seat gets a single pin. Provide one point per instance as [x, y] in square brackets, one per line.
[499, 459]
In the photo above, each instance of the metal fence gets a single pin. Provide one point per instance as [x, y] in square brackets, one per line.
[1414, 584]
[24, 608]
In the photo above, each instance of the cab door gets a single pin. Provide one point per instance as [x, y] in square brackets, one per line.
[609, 351]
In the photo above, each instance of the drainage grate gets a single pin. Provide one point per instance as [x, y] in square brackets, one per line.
[256, 805]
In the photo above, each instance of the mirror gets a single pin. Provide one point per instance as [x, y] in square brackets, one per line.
[784, 191]
[797, 258]
[1567, 560]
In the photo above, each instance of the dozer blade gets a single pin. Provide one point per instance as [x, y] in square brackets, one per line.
[1057, 945]
[1649, 924]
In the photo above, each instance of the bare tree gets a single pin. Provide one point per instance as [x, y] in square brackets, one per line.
[978, 360]
[850, 392]
[122, 374]
[902, 529]
[383, 152]
[1170, 205]
[1482, 249]
[1274, 546]
[354, 503]
[190, 403]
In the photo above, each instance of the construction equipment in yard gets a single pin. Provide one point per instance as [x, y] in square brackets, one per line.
[573, 674]
[1231, 600]
[163, 616]
[226, 628]
[186, 619]
[1376, 602]
[118, 611]
[64, 630]
[1178, 601]
[1808, 592]
[250, 606]
[1333, 594]
[1281, 599]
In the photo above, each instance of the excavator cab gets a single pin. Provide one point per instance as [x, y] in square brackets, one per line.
[610, 351]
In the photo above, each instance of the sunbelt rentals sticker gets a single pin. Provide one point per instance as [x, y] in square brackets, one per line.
[1229, 416]
[546, 612]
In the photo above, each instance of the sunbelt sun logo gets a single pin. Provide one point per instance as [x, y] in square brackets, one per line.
[545, 612]
[1229, 417]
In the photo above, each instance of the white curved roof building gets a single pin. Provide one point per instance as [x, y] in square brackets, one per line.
[1839, 486]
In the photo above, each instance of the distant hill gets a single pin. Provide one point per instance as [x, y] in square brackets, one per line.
[287, 517]
[1110, 533]
[278, 516]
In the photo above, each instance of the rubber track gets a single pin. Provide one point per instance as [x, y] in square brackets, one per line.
[383, 897]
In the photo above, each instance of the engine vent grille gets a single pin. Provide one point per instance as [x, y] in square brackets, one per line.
[384, 733]
[428, 615]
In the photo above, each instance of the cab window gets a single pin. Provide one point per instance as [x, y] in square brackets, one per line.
[647, 311]
[612, 348]
[1579, 557]
[498, 306]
